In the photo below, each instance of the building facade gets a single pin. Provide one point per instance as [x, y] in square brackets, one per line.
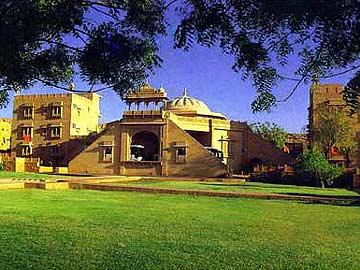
[178, 137]
[296, 144]
[50, 126]
[5, 134]
[331, 95]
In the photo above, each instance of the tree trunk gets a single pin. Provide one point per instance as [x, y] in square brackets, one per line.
[322, 182]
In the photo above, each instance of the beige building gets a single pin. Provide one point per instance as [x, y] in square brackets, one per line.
[50, 126]
[5, 134]
[180, 137]
[331, 95]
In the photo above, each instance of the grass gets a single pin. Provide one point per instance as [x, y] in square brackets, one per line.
[247, 187]
[80, 229]
[25, 175]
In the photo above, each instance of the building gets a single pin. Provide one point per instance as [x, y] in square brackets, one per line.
[178, 137]
[5, 134]
[52, 127]
[331, 95]
[296, 143]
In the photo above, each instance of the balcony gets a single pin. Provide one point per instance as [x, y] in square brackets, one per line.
[142, 114]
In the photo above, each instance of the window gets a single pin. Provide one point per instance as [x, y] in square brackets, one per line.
[27, 132]
[180, 154]
[74, 125]
[28, 112]
[25, 150]
[106, 152]
[55, 132]
[56, 111]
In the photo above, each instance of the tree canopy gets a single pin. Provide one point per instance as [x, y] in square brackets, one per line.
[271, 132]
[51, 41]
[332, 128]
[314, 164]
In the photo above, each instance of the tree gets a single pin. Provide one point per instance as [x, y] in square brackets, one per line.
[51, 41]
[271, 132]
[314, 164]
[332, 128]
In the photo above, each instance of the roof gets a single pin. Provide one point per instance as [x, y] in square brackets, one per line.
[189, 105]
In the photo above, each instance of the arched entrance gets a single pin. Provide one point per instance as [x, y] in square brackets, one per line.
[145, 146]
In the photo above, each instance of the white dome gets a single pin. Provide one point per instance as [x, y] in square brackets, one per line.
[186, 104]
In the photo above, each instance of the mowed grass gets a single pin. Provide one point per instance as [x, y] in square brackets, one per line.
[247, 187]
[25, 175]
[79, 229]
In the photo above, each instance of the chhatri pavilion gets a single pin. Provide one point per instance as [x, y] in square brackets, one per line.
[177, 137]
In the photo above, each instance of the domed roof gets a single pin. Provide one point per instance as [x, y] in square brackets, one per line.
[186, 104]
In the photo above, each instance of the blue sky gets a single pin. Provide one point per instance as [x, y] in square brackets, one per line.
[207, 75]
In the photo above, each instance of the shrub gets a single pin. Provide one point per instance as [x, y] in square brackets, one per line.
[314, 165]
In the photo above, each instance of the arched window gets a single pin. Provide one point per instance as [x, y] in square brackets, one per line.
[144, 147]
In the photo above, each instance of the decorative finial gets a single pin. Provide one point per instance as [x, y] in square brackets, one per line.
[72, 86]
[315, 79]
[185, 92]
[147, 82]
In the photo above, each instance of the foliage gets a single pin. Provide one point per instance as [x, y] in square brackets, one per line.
[314, 164]
[352, 93]
[112, 230]
[1, 167]
[113, 42]
[332, 128]
[271, 132]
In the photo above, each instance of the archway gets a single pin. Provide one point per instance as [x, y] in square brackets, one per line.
[148, 143]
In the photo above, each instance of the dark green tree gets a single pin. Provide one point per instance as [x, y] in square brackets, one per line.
[112, 43]
[314, 164]
[271, 132]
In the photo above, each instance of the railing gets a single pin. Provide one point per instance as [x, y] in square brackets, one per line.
[148, 113]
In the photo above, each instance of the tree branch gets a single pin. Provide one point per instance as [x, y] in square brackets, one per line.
[323, 77]
[104, 13]
[60, 44]
[74, 91]
[292, 92]
[170, 3]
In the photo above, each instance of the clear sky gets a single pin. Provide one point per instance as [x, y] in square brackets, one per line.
[207, 75]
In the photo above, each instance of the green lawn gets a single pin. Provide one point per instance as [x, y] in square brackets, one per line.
[25, 175]
[248, 187]
[79, 229]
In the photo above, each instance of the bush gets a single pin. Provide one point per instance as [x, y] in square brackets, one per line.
[313, 165]
[1, 167]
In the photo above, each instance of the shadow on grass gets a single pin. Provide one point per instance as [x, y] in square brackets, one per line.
[347, 197]
[245, 186]
[348, 203]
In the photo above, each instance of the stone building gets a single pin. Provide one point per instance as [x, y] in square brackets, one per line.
[331, 95]
[5, 134]
[178, 137]
[296, 143]
[53, 127]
